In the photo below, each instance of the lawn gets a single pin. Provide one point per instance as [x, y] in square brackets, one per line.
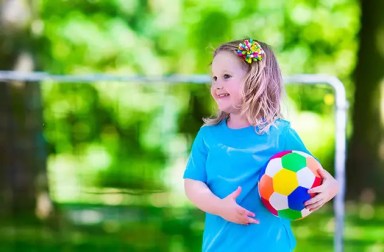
[122, 228]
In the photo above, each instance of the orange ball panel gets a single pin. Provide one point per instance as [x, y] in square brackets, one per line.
[313, 165]
[266, 187]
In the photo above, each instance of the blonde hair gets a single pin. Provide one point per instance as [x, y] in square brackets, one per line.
[262, 89]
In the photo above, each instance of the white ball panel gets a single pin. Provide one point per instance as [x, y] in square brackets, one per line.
[279, 201]
[305, 177]
[273, 167]
[305, 212]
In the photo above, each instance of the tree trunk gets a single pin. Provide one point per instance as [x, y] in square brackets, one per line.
[23, 183]
[365, 165]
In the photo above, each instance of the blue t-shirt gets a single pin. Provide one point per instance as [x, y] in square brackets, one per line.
[225, 158]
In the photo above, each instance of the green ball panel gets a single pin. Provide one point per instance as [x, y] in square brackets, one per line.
[294, 162]
[290, 214]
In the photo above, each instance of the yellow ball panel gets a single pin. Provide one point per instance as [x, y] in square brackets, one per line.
[285, 181]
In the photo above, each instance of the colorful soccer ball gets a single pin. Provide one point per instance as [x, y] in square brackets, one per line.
[285, 181]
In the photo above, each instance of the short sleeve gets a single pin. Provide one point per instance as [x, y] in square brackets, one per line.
[195, 168]
[292, 140]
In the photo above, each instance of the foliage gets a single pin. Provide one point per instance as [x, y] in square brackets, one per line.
[119, 134]
[175, 36]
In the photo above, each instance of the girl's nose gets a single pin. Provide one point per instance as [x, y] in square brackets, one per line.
[217, 85]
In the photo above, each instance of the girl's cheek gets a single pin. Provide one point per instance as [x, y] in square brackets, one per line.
[212, 92]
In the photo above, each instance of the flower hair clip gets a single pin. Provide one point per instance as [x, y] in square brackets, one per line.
[250, 51]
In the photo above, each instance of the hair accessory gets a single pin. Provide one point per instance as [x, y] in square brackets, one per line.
[250, 51]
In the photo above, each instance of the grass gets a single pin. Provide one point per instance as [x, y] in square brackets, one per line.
[363, 230]
[121, 228]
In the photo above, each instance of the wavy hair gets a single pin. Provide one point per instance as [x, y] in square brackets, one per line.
[262, 90]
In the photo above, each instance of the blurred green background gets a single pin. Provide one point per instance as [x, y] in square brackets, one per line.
[98, 166]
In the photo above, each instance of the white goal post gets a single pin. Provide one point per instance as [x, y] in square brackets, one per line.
[341, 106]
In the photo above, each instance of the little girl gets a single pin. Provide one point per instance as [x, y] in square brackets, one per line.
[229, 151]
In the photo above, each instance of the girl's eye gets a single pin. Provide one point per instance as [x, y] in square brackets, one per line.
[214, 78]
[226, 76]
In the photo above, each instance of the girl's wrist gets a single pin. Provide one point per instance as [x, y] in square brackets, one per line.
[216, 207]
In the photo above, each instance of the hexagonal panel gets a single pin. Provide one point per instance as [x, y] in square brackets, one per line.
[290, 214]
[278, 201]
[318, 181]
[285, 181]
[305, 177]
[297, 198]
[265, 186]
[293, 161]
[273, 167]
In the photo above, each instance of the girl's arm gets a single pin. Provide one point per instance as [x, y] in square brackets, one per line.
[227, 208]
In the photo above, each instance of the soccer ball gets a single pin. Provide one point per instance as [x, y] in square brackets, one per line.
[285, 181]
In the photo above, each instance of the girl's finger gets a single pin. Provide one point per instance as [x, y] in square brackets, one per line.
[314, 207]
[317, 189]
[253, 221]
[314, 200]
[235, 193]
[245, 212]
[251, 214]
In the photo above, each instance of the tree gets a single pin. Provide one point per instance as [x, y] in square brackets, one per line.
[365, 165]
[23, 186]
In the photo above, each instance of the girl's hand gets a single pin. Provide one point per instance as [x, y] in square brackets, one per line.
[325, 192]
[231, 211]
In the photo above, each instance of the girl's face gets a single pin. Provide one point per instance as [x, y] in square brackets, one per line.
[228, 76]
